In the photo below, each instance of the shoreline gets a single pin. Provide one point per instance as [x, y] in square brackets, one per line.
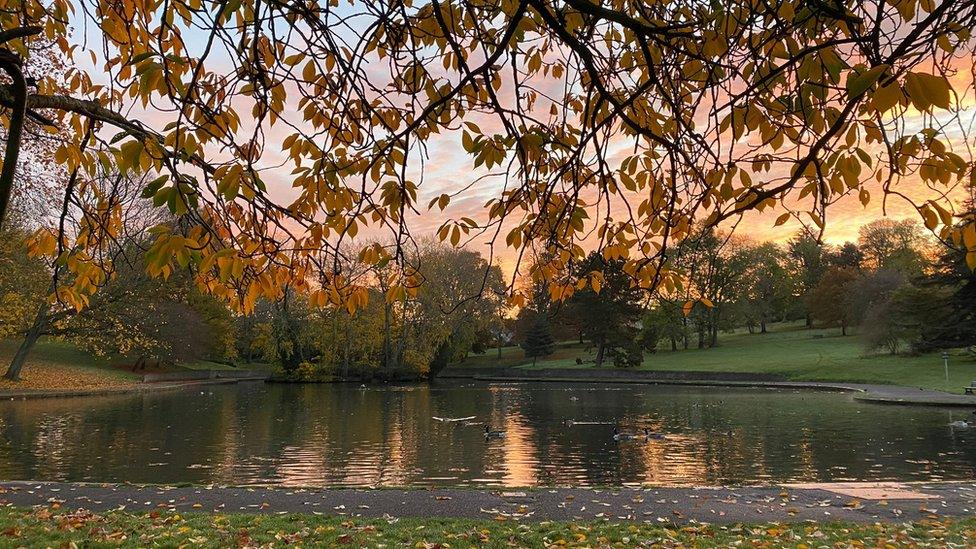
[858, 502]
[134, 388]
[865, 392]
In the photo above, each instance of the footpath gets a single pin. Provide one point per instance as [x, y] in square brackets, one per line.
[855, 502]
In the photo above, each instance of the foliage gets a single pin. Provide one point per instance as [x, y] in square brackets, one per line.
[413, 335]
[609, 309]
[892, 245]
[847, 256]
[829, 303]
[723, 108]
[23, 281]
[663, 321]
[871, 289]
[714, 265]
[220, 324]
[808, 262]
[947, 311]
[767, 287]
[884, 328]
[538, 341]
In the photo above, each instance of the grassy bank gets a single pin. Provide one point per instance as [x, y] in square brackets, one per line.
[53, 527]
[58, 365]
[788, 350]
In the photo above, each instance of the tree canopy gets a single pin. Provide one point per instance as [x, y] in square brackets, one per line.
[617, 126]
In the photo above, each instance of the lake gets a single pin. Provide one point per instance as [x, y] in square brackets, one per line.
[344, 435]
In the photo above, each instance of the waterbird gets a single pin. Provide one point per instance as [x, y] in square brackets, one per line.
[493, 434]
[648, 435]
[618, 436]
[960, 424]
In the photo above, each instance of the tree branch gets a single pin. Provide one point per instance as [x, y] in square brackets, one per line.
[11, 64]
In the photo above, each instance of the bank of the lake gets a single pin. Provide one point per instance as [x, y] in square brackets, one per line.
[60, 369]
[789, 352]
[866, 392]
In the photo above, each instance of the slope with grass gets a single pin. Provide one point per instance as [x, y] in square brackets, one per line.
[60, 366]
[55, 365]
[789, 350]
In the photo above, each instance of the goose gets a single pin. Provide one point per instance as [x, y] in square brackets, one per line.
[618, 436]
[493, 434]
[960, 424]
[648, 435]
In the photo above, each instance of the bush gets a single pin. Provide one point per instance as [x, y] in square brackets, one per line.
[307, 372]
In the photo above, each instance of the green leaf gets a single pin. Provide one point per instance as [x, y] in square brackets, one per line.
[858, 83]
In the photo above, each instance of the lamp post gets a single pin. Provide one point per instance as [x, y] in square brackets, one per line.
[945, 362]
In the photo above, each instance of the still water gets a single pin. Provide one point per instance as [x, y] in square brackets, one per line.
[343, 435]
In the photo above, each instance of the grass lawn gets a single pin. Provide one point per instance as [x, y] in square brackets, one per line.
[210, 365]
[788, 350]
[56, 365]
[54, 528]
[59, 365]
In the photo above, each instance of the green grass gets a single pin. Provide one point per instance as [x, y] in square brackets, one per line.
[55, 365]
[210, 365]
[52, 352]
[56, 528]
[788, 350]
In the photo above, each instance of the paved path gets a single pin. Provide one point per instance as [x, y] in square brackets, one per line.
[878, 393]
[897, 394]
[860, 502]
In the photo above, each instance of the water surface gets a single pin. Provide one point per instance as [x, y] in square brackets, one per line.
[342, 435]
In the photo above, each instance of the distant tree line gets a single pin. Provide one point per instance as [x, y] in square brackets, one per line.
[139, 321]
[901, 289]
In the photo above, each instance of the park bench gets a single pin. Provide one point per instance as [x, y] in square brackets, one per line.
[972, 387]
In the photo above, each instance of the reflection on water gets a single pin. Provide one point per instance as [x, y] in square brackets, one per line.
[341, 435]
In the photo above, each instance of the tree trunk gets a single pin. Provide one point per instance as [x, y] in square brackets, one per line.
[762, 326]
[684, 332]
[387, 342]
[809, 321]
[11, 64]
[347, 350]
[601, 347]
[674, 344]
[843, 328]
[17, 364]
